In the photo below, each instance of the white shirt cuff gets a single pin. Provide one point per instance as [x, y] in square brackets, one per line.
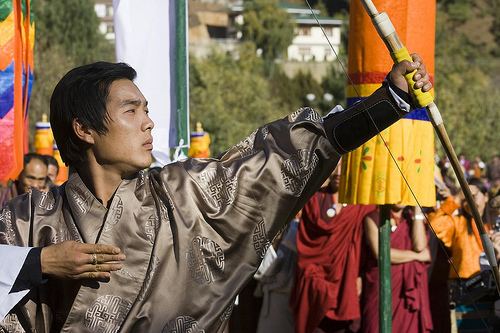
[12, 259]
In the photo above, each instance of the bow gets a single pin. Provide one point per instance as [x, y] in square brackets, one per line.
[399, 53]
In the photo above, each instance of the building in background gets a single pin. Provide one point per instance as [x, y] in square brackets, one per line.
[213, 25]
[309, 43]
[104, 11]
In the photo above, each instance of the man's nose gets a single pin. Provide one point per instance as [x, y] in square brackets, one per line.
[148, 123]
[39, 184]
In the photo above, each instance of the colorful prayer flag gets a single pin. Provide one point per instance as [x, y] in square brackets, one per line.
[17, 39]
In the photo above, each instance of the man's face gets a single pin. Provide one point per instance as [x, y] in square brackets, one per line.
[52, 172]
[333, 181]
[127, 145]
[33, 175]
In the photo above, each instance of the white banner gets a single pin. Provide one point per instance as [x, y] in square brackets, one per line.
[145, 39]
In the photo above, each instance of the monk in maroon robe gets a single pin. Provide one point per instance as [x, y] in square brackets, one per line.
[326, 294]
[409, 282]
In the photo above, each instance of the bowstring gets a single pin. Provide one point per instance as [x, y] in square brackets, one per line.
[379, 134]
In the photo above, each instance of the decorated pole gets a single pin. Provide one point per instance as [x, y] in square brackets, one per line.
[398, 51]
[182, 76]
[17, 38]
[376, 173]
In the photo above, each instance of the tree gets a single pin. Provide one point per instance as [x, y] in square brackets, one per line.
[334, 83]
[231, 97]
[308, 89]
[66, 36]
[268, 26]
[466, 66]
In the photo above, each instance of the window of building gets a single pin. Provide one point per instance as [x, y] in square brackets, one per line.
[304, 50]
[304, 31]
[103, 27]
[100, 9]
[329, 31]
[109, 10]
[305, 53]
[110, 28]
[217, 32]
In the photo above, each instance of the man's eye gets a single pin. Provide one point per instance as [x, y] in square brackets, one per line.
[146, 111]
[131, 111]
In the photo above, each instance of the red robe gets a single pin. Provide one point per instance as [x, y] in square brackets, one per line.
[328, 264]
[409, 284]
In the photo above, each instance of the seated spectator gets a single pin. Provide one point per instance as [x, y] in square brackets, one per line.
[52, 168]
[34, 175]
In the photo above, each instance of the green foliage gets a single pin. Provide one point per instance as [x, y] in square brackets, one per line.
[268, 26]
[285, 91]
[334, 83]
[332, 7]
[72, 25]
[466, 66]
[231, 97]
[66, 36]
[308, 89]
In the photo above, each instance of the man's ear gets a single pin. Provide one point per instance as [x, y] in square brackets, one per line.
[83, 132]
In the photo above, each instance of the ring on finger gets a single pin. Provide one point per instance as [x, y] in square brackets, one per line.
[94, 259]
[97, 268]
[92, 275]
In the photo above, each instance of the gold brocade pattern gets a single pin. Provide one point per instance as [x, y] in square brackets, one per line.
[81, 200]
[205, 260]
[11, 324]
[151, 228]
[297, 170]
[8, 235]
[47, 201]
[106, 314]
[305, 114]
[260, 240]
[219, 186]
[246, 146]
[116, 213]
[183, 324]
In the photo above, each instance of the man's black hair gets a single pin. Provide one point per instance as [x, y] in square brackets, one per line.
[51, 161]
[34, 156]
[82, 94]
[479, 184]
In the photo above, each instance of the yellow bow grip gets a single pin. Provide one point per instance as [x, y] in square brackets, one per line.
[423, 98]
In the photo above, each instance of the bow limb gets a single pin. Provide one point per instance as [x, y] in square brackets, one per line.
[399, 53]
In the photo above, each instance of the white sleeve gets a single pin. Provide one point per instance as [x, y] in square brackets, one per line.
[399, 101]
[12, 259]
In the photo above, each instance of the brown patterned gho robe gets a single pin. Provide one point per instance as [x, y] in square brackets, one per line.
[193, 233]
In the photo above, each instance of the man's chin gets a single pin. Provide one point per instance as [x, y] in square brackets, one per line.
[147, 162]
